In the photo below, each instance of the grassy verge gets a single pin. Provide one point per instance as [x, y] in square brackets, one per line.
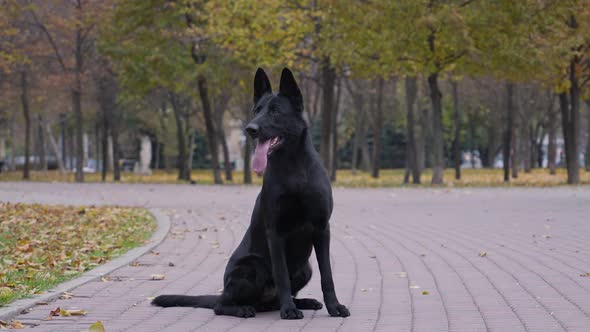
[345, 178]
[41, 246]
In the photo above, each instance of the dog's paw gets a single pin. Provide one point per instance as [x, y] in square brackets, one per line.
[308, 304]
[291, 313]
[246, 311]
[338, 310]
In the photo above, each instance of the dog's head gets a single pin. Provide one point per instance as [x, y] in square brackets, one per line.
[278, 118]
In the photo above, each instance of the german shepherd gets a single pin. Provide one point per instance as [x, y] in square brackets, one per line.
[290, 217]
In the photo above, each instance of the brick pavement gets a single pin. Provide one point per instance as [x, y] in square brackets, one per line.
[404, 260]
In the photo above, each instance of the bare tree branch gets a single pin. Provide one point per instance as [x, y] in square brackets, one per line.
[50, 39]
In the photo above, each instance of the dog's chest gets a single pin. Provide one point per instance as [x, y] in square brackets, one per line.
[299, 213]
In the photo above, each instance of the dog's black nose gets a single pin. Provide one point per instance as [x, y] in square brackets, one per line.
[252, 130]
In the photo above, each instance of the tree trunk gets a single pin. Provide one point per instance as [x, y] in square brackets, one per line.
[423, 138]
[105, 144]
[552, 145]
[116, 152]
[247, 151]
[472, 147]
[97, 144]
[438, 162]
[539, 148]
[411, 146]
[335, 131]
[456, 139]
[53, 145]
[41, 144]
[356, 141]
[588, 143]
[377, 129]
[508, 130]
[190, 152]
[570, 118]
[328, 80]
[12, 163]
[515, 150]
[77, 108]
[62, 127]
[182, 153]
[365, 152]
[358, 101]
[527, 133]
[27, 116]
[225, 149]
[220, 106]
[70, 147]
[247, 166]
[209, 127]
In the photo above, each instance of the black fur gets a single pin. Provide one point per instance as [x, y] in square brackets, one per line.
[290, 217]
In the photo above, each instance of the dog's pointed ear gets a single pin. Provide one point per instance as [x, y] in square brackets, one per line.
[261, 85]
[288, 88]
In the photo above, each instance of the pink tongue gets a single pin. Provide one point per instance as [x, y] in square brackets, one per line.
[260, 156]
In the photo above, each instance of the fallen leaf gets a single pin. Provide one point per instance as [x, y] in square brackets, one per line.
[96, 327]
[170, 264]
[401, 274]
[16, 325]
[587, 274]
[158, 277]
[483, 254]
[66, 296]
[54, 312]
[72, 312]
[414, 286]
[425, 292]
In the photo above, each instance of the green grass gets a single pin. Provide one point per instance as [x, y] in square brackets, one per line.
[42, 246]
[345, 178]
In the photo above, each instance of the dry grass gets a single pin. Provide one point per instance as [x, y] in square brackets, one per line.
[388, 178]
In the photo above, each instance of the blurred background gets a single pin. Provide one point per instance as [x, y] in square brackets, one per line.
[460, 92]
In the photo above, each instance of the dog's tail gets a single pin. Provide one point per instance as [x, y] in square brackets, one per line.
[201, 301]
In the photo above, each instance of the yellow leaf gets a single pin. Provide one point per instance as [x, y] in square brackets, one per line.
[15, 324]
[73, 312]
[96, 327]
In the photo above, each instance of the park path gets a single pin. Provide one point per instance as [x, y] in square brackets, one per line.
[404, 260]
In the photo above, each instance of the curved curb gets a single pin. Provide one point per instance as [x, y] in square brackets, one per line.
[17, 307]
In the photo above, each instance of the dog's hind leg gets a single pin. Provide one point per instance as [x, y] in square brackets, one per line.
[300, 278]
[308, 304]
[298, 281]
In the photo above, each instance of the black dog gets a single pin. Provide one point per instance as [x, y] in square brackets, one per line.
[290, 217]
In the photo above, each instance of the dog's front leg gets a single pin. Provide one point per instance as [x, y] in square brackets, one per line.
[280, 273]
[321, 243]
